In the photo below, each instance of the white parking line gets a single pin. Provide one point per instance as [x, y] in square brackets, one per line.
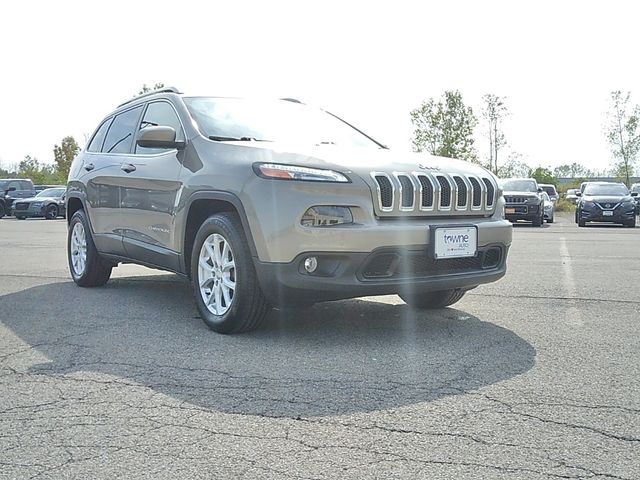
[574, 316]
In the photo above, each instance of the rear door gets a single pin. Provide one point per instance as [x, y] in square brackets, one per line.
[102, 175]
[150, 189]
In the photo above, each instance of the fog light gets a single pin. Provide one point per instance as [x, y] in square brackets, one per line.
[310, 264]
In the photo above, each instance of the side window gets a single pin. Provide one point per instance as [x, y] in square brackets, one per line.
[26, 185]
[98, 138]
[160, 114]
[15, 184]
[120, 135]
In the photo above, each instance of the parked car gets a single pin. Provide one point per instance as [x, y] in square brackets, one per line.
[607, 202]
[39, 188]
[523, 200]
[12, 189]
[48, 203]
[551, 191]
[266, 203]
[583, 185]
[635, 188]
[549, 207]
[571, 195]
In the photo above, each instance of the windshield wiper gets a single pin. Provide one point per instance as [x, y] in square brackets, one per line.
[219, 138]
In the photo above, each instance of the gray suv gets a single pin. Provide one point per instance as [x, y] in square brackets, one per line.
[275, 203]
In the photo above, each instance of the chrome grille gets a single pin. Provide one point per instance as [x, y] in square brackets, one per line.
[514, 199]
[418, 193]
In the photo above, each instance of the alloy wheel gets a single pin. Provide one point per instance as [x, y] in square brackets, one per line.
[217, 274]
[78, 249]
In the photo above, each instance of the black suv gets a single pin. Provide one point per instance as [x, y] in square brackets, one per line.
[606, 202]
[12, 189]
[523, 200]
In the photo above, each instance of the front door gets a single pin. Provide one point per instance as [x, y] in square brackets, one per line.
[150, 189]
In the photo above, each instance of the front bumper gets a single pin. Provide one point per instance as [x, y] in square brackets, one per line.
[387, 270]
[30, 212]
[618, 216]
[520, 211]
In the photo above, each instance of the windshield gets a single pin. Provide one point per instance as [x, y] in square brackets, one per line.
[519, 186]
[51, 192]
[612, 189]
[550, 190]
[272, 120]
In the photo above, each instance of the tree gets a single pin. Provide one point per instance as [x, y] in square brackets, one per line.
[543, 175]
[39, 173]
[573, 170]
[514, 167]
[445, 127]
[493, 111]
[622, 133]
[64, 154]
[146, 89]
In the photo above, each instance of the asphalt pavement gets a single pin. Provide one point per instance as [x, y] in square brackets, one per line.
[536, 376]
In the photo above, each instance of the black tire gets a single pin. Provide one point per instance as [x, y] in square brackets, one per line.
[248, 306]
[537, 222]
[2, 210]
[51, 213]
[550, 219]
[97, 270]
[432, 300]
[632, 223]
[581, 222]
[21, 218]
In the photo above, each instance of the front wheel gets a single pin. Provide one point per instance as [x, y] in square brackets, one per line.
[223, 278]
[581, 222]
[51, 213]
[432, 300]
[2, 210]
[87, 267]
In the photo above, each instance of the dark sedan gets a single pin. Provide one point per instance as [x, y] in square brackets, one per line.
[606, 202]
[48, 203]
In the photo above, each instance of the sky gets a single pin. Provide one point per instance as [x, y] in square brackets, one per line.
[65, 64]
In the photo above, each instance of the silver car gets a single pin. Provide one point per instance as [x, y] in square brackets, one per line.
[549, 207]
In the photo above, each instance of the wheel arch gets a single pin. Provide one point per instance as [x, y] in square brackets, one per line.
[199, 207]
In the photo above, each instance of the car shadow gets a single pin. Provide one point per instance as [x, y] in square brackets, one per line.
[335, 358]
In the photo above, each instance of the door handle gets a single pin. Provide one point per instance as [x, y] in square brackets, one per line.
[89, 166]
[127, 167]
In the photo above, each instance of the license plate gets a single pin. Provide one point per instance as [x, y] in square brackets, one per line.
[455, 242]
[509, 210]
[607, 213]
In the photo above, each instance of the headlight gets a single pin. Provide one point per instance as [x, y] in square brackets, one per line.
[294, 172]
[36, 204]
[588, 204]
[548, 207]
[326, 216]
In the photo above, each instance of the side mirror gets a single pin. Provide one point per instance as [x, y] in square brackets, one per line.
[634, 194]
[578, 194]
[158, 137]
[11, 189]
[540, 190]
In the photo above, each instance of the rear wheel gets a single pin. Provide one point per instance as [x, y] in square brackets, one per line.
[224, 281]
[87, 267]
[2, 210]
[51, 213]
[537, 222]
[432, 300]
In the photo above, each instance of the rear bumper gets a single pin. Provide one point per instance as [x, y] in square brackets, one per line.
[384, 271]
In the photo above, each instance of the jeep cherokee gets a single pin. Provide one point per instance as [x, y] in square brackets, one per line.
[266, 203]
[523, 200]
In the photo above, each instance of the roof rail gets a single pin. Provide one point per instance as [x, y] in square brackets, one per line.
[160, 90]
[294, 100]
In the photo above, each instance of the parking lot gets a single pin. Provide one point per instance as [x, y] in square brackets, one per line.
[536, 376]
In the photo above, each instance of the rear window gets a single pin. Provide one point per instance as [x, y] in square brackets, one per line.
[120, 135]
[551, 190]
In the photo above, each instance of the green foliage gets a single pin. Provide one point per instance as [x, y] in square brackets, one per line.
[514, 167]
[564, 205]
[543, 175]
[39, 173]
[573, 170]
[63, 156]
[493, 111]
[146, 89]
[623, 135]
[445, 127]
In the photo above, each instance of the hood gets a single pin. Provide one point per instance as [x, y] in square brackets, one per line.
[362, 161]
[513, 193]
[608, 198]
